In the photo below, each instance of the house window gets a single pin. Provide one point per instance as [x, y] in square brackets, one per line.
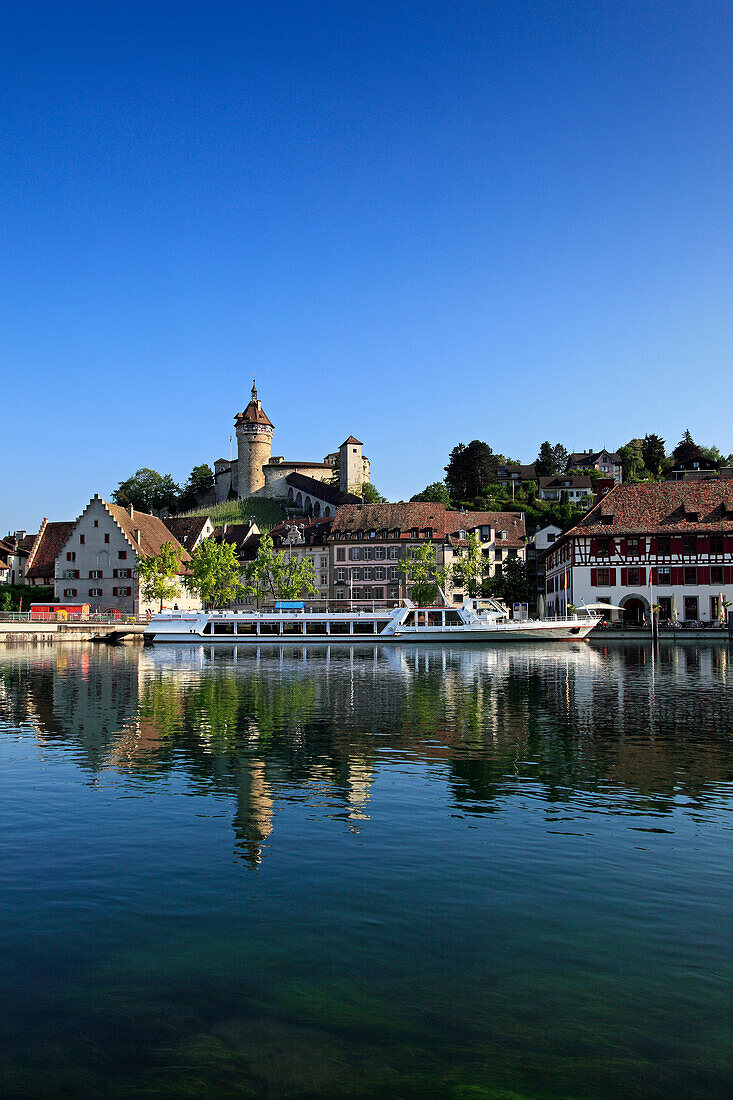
[372, 534]
[122, 554]
[663, 546]
[414, 533]
[355, 553]
[633, 577]
[632, 547]
[341, 554]
[379, 574]
[689, 544]
[716, 544]
[394, 573]
[69, 592]
[691, 613]
[427, 533]
[379, 553]
[665, 608]
[716, 574]
[603, 578]
[368, 574]
[340, 574]
[378, 593]
[106, 537]
[95, 574]
[81, 539]
[324, 563]
[367, 553]
[355, 575]
[71, 556]
[690, 574]
[95, 591]
[96, 523]
[551, 537]
[602, 548]
[498, 555]
[664, 575]
[394, 552]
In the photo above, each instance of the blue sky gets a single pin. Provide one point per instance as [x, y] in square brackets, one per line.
[417, 223]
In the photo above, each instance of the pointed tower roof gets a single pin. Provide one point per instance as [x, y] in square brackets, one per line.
[254, 413]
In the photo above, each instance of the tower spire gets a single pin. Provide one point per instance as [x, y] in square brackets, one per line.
[254, 390]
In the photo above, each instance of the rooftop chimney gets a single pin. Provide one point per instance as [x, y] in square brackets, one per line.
[130, 509]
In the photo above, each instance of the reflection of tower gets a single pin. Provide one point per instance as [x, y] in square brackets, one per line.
[360, 779]
[253, 819]
[254, 446]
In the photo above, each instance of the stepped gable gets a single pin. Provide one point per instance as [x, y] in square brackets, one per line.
[187, 529]
[49, 542]
[665, 508]
[320, 489]
[153, 532]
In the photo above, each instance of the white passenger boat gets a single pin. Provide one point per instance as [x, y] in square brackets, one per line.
[406, 623]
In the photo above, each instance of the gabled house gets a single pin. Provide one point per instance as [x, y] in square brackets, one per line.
[190, 530]
[97, 564]
[608, 463]
[577, 487]
[40, 568]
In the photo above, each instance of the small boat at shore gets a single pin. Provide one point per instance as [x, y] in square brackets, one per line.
[406, 623]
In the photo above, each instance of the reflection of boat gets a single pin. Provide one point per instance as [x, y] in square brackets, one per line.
[400, 624]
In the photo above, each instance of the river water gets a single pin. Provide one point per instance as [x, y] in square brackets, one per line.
[464, 872]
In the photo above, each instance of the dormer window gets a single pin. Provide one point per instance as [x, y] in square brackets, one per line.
[504, 535]
[414, 533]
[428, 533]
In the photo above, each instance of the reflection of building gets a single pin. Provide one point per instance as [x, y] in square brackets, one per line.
[672, 542]
[253, 818]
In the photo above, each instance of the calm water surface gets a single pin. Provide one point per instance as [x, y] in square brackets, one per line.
[410, 872]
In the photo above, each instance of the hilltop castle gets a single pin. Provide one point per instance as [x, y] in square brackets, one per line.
[312, 487]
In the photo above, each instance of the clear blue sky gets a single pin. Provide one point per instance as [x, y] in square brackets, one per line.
[418, 223]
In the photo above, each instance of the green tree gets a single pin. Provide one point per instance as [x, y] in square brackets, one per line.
[437, 491]
[371, 494]
[200, 481]
[511, 583]
[687, 449]
[545, 462]
[277, 574]
[214, 573]
[632, 462]
[158, 574]
[423, 575]
[559, 458]
[468, 570]
[470, 469]
[148, 491]
[653, 454]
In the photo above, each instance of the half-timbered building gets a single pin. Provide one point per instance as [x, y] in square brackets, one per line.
[669, 544]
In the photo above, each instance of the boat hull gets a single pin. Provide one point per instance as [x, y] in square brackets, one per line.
[531, 632]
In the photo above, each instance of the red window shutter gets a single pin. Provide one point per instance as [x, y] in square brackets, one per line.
[114, 591]
[624, 576]
[612, 576]
[594, 578]
[675, 544]
[642, 576]
[703, 574]
[728, 574]
[593, 544]
[703, 544]
[652, 545]
[622, 547]
[114, 574]
[677, 573]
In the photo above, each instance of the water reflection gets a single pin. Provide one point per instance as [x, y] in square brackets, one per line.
[262, 725]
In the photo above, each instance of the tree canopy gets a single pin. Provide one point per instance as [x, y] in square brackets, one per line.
[200, 481]
[214, 573]
[148, 491]
[423, 575]
[371, 494]
[158, 574]
[551, 459]
[276, 574]
[470, 469]
[437, 491]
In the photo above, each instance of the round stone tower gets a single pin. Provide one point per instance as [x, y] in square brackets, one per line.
[254, 445]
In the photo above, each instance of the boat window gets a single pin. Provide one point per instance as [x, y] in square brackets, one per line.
[223, 628]
[452, 618]
[435, 618]
[269, 628]
[246, 628]
[340, 627]
[410, 618]
[364, 627]
[382, 624]
[207, 628]
[315, 628]
[292, 628]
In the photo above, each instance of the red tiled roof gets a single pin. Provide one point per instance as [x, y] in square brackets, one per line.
[664, 508]
[153, 532]
[48, 545]
[186, 529]
[351, 439]
[253, 414]
[406, 516]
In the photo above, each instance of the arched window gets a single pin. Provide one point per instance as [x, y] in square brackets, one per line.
[299, 501]
[317, 508]
[102, 558]
[291, 495]
[327, 511]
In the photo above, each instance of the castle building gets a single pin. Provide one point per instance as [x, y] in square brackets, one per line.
[314, 488]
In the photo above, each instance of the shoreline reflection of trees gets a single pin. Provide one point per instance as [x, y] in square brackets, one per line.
[254, 723]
